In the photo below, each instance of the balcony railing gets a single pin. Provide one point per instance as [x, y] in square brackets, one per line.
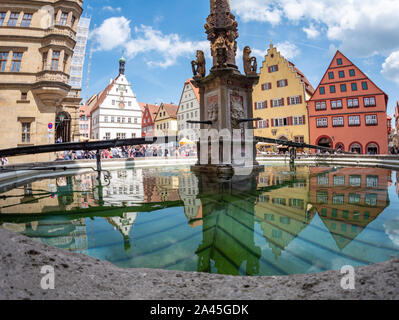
[52, 76]
[64, 31]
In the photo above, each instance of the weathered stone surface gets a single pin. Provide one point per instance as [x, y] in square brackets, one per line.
[81, 277]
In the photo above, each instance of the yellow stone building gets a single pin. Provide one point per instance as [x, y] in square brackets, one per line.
[280, 99]
[37, 39]
[165, 122]
[283, 212]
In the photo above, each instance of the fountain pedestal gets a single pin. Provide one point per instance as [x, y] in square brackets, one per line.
[226, 145]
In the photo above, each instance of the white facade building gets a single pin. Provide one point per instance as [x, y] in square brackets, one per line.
[189, 109]
[116, 113]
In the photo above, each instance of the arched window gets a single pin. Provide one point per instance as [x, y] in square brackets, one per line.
[356, 148]
[372, 148]
[325, 142]
[340, 146]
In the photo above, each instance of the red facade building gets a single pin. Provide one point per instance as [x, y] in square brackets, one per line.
[149, 113]
[348, 110]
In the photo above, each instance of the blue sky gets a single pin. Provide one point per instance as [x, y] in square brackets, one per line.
[159, 39]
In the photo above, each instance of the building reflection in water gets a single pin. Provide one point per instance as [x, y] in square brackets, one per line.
[283, 212]
[348, 199]
[240, 222]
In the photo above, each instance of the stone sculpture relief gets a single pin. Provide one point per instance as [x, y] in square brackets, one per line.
[250, 64]
[237, 111]
[198, 65]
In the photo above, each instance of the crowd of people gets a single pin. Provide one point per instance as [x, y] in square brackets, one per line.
[130, 152]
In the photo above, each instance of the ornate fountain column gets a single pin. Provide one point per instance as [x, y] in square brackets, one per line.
[226, 99]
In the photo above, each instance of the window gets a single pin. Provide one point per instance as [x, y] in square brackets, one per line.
[354, 87]
[277, 102]
[64, 18]
[338, 121]
[371, 120]
[263, 124]
[322, 122]
[299, 139]
[343, 87]
[322, 90]
[369, 102]
[322, 197]
[339, 181]
[3, 61]
[371, 199]
[129, 120]
[24, 95]
[336, 104]
[339, 61]
[273, 69]
[356, 148]
[16, 62]
[355, 180]
[266, 86]
[12, 22]
[112, 119]
[354, 120]
[372, 181]
[2, 18]
[54, 60]
[113, 102]
[322, 180]
[282, 83]
[341, 74]
[321, 105]
[107, 136]
[352, 72]
[26, 20]
[353, 103]
[332, 89]
[364, 85]
[73, 21]
[297, 121]
[25, 132]
[338, 199]
[354, 198]
[118, 119]
[331, 75]
[280, 122]
[295, 100]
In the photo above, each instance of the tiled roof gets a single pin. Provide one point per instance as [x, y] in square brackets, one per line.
[101, 97]
[308, 86]
[171, 109]
[152, 108]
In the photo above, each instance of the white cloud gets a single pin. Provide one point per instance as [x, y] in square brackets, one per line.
[288, 49]
[116, 32]
[390, 68]
[112, 9]
[257, 10]
[311, 31]
[362, 27]
[112, 33]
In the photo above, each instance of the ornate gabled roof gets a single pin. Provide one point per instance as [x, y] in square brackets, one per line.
[171, 109]
[152, 109]
[101, 96]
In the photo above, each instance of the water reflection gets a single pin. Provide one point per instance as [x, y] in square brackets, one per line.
[285, 221]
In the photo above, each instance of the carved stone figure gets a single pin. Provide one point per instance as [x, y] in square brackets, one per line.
[237, 112]
[213, 111]
[198, 65]
[250, 64]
